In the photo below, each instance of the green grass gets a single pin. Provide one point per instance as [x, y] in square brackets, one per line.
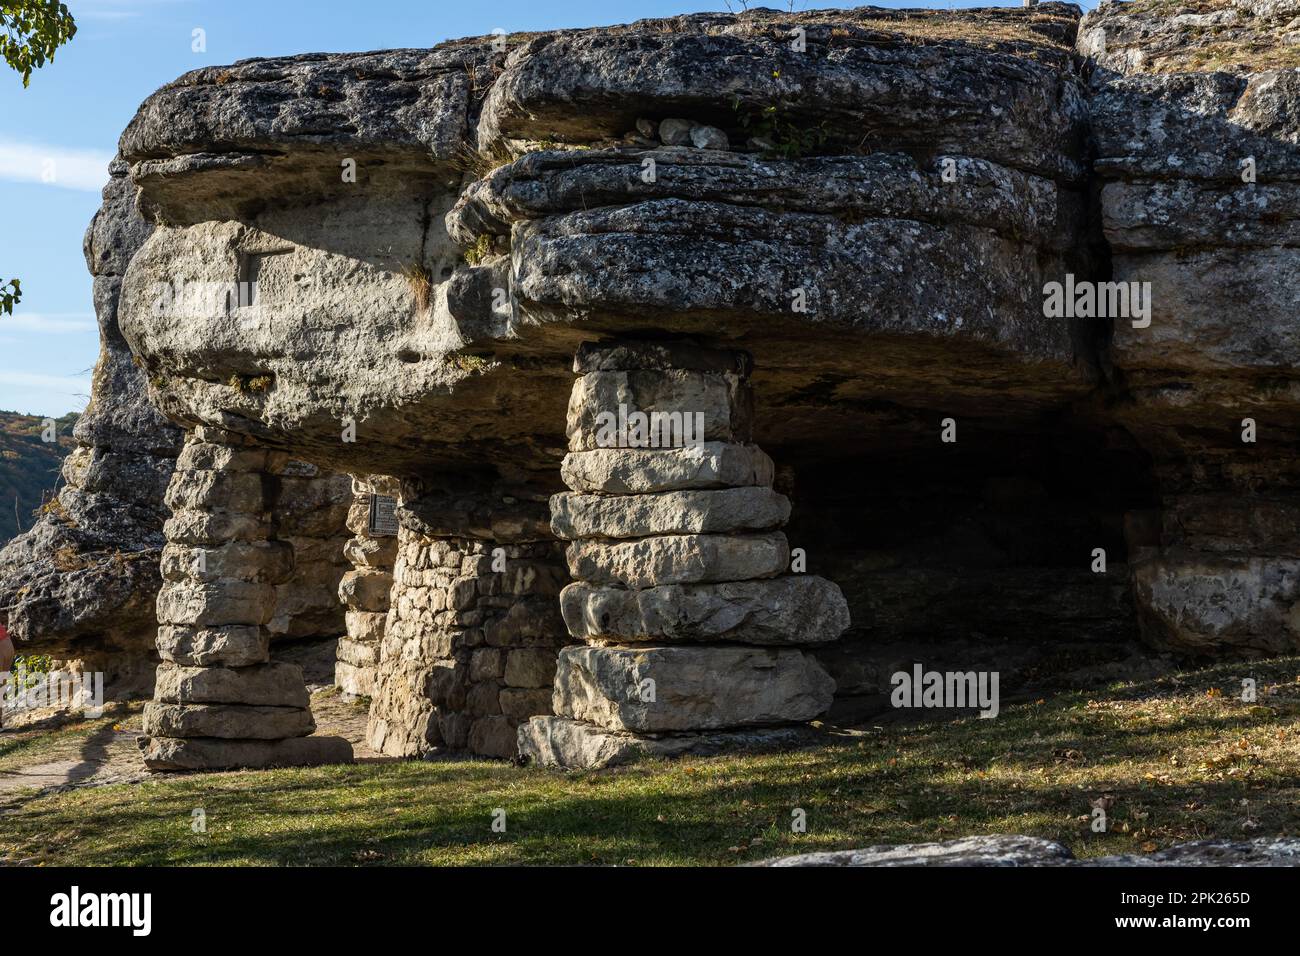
[1176, 757]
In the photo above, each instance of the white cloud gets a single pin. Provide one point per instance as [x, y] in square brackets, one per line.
[85, 169]
[62, 384]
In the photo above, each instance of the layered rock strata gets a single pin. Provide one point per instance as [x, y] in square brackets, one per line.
[1198, 162]
[694, 635]
[218, 700]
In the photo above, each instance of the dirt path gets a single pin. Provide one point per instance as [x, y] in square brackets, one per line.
[42, 758]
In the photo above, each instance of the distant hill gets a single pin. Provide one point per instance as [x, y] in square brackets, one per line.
[28, 467]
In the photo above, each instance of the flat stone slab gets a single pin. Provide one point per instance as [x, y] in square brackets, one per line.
[996, 850]
[623, 471]
[679, 559]
[1016, 850]
[717, 511]
[271, 561]
[244, 492]
[795, 609]
[215, 604]
[208, 753]
[272, 685]
[572, 744]
[237, 721]
[666, 689]
[234, 646]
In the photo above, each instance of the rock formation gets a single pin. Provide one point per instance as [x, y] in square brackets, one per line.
[1015, 850]
[384, 264]
[80, 584]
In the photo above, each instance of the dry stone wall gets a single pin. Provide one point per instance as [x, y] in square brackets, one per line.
[470, 641]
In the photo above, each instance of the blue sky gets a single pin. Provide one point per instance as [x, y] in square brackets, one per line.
[76, 107]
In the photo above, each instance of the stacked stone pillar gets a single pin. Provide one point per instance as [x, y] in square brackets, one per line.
[693, 627]
[364, 591]
[219, 702]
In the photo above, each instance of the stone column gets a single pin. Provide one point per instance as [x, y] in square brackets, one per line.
[692, 624]
[219, 702]
[364, 591]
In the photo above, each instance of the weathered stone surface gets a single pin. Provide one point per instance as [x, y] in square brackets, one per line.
[216, 457]
[273, 685]
[366, 626]
[715, 511]
[493, 736]
[1015, 850]
[1223, 37]
[680, 406]
[229, 721]
[709, 137]
[883, 185]
[214, 527]
[237, 646]
[639, 471]
[371, 552]
[574, 745]
[679, 559]
[580, 86]
[357, 653]
[215, 604]
[996, 850]
[521, 703]
[407, 106]
[529, 667]
[797, 609]
[234, 491]
[629, 355]
[1261, 851]
[210, 753]
[353, 680]
[885, 244]
[694, 688]
[79, 584]
[258, 561]
[365, 589]
[1199, 603]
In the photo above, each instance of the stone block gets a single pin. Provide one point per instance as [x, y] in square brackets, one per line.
[658, 689]
[232, 721]
[679, 559]
[215, 604]
[236, 646]
[717, 511]
[210, 753]
[794, 609]
[277, 684]
[623, 471]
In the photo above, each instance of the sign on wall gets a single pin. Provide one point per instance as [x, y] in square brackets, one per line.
[383, 515]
